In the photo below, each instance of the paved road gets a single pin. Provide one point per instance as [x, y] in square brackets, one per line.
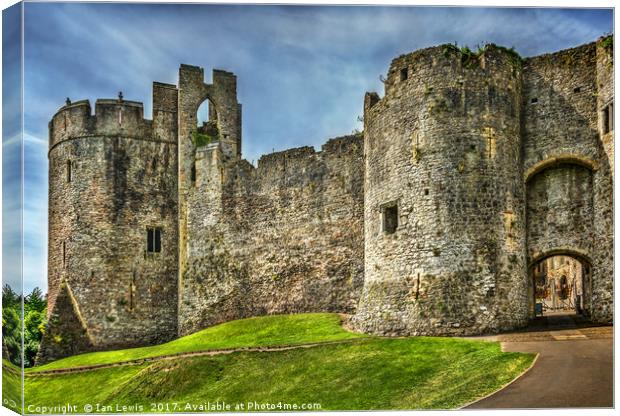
[574, 368]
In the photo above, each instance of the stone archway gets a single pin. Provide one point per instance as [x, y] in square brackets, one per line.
[560, 280]
[560, 216]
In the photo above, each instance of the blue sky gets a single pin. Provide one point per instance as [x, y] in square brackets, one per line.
[302, 71]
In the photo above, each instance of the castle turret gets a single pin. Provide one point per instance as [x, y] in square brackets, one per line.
[112, 258]
[444, 196]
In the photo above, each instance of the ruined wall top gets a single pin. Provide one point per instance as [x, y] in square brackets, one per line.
[332, 147]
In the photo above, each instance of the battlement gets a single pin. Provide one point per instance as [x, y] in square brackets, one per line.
[112, 117]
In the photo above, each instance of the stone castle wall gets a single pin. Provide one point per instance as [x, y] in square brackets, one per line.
[443, 147]
[472, 169]
[284, 237]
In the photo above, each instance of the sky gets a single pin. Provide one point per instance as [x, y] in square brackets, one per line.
[302, 71]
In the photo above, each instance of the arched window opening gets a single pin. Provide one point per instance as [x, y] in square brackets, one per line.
[207, 130]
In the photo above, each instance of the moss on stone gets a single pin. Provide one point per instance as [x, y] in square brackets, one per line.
[203, 139]
[608, 44]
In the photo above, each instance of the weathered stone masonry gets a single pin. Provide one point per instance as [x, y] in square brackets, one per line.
[112, 177]
[471, 169]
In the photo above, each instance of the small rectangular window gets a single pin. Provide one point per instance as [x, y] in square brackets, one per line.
[390, 218]
[153, 240]
[404, 74]
[534, 100]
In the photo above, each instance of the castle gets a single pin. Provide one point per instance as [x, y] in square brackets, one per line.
[471, 169]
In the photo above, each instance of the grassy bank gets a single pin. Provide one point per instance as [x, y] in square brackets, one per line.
[375, 373]
[415, 373]
[252, 332]
[11, 386]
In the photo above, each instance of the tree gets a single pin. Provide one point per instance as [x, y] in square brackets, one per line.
[34, 324]
[35, 301]
[11, 334]
[10, 299]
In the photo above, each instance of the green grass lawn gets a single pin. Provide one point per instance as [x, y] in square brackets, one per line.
[11, 386]
[375, 373]
[262, 331]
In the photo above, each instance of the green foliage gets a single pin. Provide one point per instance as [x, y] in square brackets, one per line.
[10, 299]
[12, 333]
[35, 301]
[203, 139]
[516, 59]
[378, 373]
[608, 44]
[449, 48]
[35, 312]
[471, 59]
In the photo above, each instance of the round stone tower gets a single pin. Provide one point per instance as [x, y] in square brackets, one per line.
[113, 235]
[444, 196]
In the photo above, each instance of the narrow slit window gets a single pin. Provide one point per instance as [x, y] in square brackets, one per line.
[150, 240]
[157, 240]
[390, 218]
[404, 74]
[193, 173]
[153, 240]
[608, 118]
[69, 171]
[132, 291]
[64, 254]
